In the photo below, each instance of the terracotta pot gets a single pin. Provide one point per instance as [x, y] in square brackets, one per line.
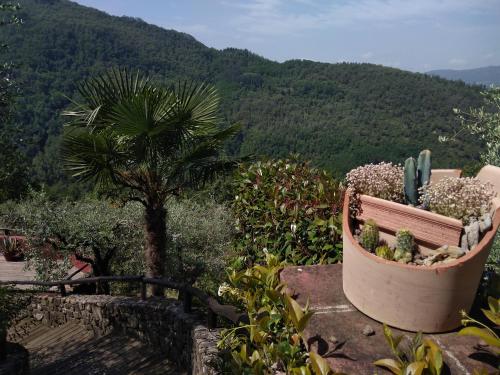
[17, 255]
[415, 298]
[439, 174]
[13, 257]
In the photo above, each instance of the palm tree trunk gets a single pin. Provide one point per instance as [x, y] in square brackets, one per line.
[156, 242]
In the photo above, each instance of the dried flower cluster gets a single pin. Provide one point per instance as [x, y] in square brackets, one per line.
[383, 180]
[462, 198]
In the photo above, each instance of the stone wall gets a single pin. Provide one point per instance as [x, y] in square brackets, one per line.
[182, 337]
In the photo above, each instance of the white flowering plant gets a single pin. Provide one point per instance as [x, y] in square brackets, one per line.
[383, 180]
[462, 198]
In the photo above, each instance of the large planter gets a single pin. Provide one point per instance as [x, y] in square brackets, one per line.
[410, 297]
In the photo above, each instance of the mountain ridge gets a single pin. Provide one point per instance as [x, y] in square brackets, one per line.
[486, 75]
[337, 115]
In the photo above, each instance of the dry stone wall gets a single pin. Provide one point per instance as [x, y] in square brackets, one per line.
[182, 337]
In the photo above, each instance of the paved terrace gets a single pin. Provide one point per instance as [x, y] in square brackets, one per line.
[14, 271]
[337, 324]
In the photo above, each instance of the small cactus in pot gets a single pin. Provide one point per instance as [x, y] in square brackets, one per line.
[405, 243]
[384, 252]
[370, 235]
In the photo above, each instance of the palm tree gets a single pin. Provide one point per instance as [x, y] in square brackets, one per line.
[147, 141]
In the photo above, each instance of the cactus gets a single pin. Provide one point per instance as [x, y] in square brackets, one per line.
[424, 168]
[405, 243]
[370, 235]
[385, 252]
[411, 187]
[416, 175]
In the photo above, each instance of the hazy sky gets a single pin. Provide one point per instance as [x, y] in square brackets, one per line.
[417, 35]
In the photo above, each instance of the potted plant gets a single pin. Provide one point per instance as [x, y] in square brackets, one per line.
[12, 248]
[416, 266]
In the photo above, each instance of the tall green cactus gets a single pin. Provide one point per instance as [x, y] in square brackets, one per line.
[424, 168]
[416, 175]
[411, 187]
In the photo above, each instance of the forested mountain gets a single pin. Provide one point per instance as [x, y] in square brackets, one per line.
[338, 115]
[489, 75]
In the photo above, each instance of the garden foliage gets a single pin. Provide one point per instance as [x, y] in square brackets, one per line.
[272, 339]
[201, 233]
[289, 209]
[480, 330]
[420, 357]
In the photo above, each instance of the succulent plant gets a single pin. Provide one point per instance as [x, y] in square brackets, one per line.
[405, 243]
[424, 168]
[416, 176]
[370, 235]
[385, 252]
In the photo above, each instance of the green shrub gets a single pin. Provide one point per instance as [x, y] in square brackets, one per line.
[272, 340]
[289, 209]
[201, 233]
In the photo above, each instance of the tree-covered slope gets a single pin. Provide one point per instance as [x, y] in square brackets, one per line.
[338, 115]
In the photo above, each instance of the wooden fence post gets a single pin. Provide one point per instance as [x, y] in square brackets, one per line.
[187, 299]
[212, 319]
[143, 290]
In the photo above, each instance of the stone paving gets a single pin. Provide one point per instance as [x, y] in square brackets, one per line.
[336, 329]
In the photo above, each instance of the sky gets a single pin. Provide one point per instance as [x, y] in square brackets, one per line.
[416, 35]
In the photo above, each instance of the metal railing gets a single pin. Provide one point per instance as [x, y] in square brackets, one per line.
[215, 309]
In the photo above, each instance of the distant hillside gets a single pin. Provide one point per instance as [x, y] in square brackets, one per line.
[338, 115]
[487, 76]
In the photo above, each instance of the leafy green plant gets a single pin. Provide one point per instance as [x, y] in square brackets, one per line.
[272, 339]
[420, 357]
[482, 122]
[480, 330]
[290, 209]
